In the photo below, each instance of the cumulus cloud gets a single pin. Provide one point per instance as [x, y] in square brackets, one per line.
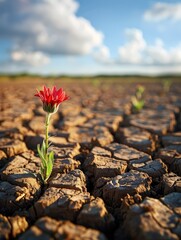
[47, 26]
[32, 58]
[137, 52]
[102, 54]
[131, 51]
[162, 11]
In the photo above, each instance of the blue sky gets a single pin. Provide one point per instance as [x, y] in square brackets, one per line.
[90, 37]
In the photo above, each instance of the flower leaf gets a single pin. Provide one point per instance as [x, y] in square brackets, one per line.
[49, 164]
[41, 155]
[51, 156]
[42, 172]
[43, 147]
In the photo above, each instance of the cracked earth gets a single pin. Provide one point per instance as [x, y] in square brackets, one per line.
[117, 174]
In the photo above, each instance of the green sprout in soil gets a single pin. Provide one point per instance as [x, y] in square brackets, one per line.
[167, 85]
[51, 100]
[137, 100]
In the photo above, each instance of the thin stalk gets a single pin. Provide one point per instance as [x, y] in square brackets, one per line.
[47, 122]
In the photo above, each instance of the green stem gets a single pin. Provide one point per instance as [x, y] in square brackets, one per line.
[47, 122]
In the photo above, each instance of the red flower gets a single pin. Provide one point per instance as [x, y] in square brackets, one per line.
[51, 98]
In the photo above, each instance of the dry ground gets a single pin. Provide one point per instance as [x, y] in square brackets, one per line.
[117, 174]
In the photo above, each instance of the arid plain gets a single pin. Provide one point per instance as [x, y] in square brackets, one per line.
[117, 173]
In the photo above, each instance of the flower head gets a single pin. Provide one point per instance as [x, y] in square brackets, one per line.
[51, 99]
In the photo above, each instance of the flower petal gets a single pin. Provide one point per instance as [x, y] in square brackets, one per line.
[51, 98]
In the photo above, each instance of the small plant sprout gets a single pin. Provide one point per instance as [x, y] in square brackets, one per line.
[167, 85]
[137, 100]
[51, 100]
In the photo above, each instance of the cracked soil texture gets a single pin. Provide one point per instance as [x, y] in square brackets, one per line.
[116, 175]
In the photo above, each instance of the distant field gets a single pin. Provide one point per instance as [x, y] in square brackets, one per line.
[94, 79]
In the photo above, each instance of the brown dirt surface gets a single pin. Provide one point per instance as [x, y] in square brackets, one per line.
[116, 174]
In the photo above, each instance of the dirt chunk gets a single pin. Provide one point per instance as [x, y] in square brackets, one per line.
[171, 155]
[49, 229]
[72, 121]
[60, 203]
[5, 228]
[17, 112]
[173, 201]
[127, 202]
[98, 187]
[73, 180]
[95, 215]
[65, 165]
[151, 219]
[64, 198]
[154, 168]
[176, 167]
[131, 183]
[128, 154]
[171, 139]
[12, 147]
[70, 150]
[65, 158]
[97, 166]
[90, 136]
[171, 183]
[155, 121]
[19, 186]
[137, 138]
[112, 121]
[9, 195]
[57, 141]
[101, 152]
[3, 158]
[18, 225]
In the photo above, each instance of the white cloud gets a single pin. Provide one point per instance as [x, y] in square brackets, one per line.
[131, 51]
[47, 26]
[30, 58]
[162, 11]
[102, 54]
[137, 52]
